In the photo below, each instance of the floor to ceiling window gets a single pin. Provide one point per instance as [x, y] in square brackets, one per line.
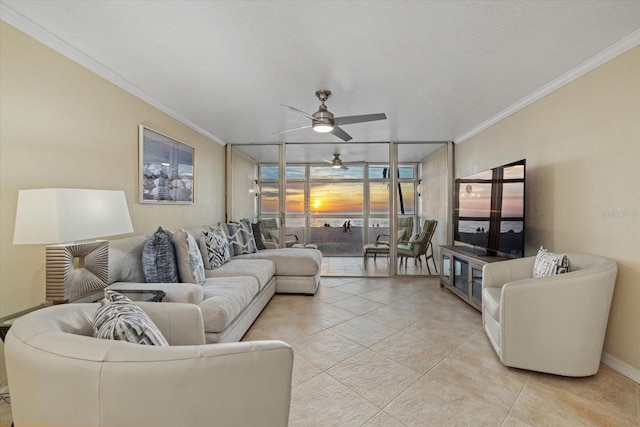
[337, 209]
[340, 209]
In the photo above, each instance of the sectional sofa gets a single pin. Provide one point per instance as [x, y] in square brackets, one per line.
[231, 296]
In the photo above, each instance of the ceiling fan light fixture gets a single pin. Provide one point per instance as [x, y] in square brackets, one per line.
[323, 127]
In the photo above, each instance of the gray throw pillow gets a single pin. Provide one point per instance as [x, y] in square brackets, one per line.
[118, 318]
[257, 236]
[159, 259]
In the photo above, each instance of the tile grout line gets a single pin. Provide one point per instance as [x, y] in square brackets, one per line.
[515, 402]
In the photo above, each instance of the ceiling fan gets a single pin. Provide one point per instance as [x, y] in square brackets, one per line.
[336, 163]
[324, 121]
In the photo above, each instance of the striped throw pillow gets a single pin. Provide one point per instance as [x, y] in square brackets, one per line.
[118, 318]
[549, 263]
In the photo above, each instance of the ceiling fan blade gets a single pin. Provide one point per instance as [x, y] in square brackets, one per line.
[341, 134]
[309, 116]
[289, 130]
[338, 121]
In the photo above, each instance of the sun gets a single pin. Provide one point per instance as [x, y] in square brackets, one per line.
[317, 203]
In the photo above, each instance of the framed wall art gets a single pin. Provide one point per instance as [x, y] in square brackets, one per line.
[166, 169]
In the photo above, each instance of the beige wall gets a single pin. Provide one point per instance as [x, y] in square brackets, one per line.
[64, 126]
[434, 200]
[241, 203]
[582, 145]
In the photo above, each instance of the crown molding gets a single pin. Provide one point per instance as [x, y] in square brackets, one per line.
[606, 55]
[32, 29]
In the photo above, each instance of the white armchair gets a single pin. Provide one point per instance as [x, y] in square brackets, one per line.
[60, 375]
[553, 324]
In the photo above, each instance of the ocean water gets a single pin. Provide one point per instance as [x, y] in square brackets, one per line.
[337, 222]
[505, 226]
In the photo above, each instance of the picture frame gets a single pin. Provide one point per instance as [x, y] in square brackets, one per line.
[166, 169]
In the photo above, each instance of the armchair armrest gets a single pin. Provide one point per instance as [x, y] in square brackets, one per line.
[496, 274]
[180, 324]
[383, 242]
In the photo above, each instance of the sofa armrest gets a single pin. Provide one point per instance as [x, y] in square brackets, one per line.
[496, 274]
[180, 324]
[175, 292]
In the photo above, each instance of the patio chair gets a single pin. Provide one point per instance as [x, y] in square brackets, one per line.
[419, 245]
[381, 245]
[269, 228]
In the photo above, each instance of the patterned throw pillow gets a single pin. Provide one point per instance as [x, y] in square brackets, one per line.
[118, 318]
[549, 263]
[240, 237]
[159, 259]
[215, 248]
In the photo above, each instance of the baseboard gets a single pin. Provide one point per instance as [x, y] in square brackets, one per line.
[618, 365]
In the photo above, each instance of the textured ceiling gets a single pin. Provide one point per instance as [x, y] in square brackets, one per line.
[438, 69]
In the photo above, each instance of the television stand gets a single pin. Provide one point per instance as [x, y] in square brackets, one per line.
[461, 272]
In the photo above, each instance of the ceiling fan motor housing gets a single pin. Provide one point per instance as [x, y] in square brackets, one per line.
[323, 121]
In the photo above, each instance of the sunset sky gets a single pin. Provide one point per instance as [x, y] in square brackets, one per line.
[337, 197]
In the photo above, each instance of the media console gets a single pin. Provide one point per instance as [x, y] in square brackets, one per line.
[461, 272]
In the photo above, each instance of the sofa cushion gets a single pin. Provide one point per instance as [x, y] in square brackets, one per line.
[118, 318]
[240, 237]
[549, 263]
[215, 248]
[224, 299]
[188, 258]
[261, 269]
[159, 258]
[290, 261]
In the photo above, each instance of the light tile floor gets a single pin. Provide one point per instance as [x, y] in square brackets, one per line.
[405, 352]
[379, 267]
[399, 352]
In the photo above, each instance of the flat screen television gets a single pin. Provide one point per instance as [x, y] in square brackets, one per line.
[489, 210]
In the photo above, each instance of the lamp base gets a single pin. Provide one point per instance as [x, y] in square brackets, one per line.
[75, 269]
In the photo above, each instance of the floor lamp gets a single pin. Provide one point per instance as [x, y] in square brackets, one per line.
[69, 221]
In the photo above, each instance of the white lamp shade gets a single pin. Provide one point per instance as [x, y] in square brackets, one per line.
[59, 215]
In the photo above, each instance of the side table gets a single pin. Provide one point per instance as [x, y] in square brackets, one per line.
[7, 321]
